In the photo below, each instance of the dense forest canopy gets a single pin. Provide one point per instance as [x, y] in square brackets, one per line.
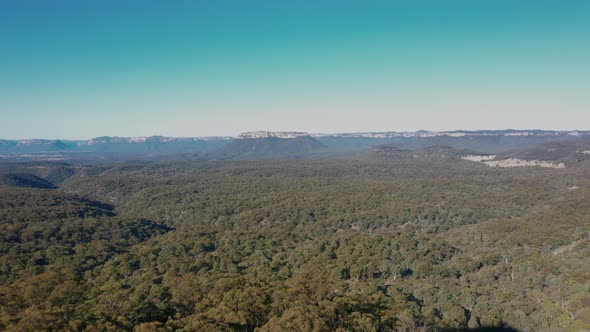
[402, 242]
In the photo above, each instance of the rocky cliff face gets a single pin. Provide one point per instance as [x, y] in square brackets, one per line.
[272, 134]
[462, 133]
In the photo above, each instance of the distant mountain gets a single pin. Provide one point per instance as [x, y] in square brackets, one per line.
[268, 145]
[459, 133]
[36, 145]
[488, 141]
[122, 146]
[151, 139]
[272, 134]
[153, 144]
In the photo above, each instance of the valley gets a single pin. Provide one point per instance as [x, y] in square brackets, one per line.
[386, 239]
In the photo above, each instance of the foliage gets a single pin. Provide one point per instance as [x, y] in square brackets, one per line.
[386, 244]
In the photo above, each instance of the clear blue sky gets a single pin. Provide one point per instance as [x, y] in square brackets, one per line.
[79, 69]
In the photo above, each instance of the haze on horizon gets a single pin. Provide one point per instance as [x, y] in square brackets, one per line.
[76, 70]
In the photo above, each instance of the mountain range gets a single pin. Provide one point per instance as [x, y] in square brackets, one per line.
[268, 145]
[272, 145]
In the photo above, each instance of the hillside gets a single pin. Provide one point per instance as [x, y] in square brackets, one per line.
[43, 175]
[395, 240]
[567, 153]
[24, 180]
[50, 243]
[381, 244]
[433, 152]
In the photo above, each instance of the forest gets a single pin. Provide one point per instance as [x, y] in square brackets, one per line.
[365, 243]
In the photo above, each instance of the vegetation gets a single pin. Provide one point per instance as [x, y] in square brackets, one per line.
[404, 243]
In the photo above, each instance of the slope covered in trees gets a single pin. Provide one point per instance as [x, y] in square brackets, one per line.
[384, 243]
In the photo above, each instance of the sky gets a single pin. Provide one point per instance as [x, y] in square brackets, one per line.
[77, 69]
